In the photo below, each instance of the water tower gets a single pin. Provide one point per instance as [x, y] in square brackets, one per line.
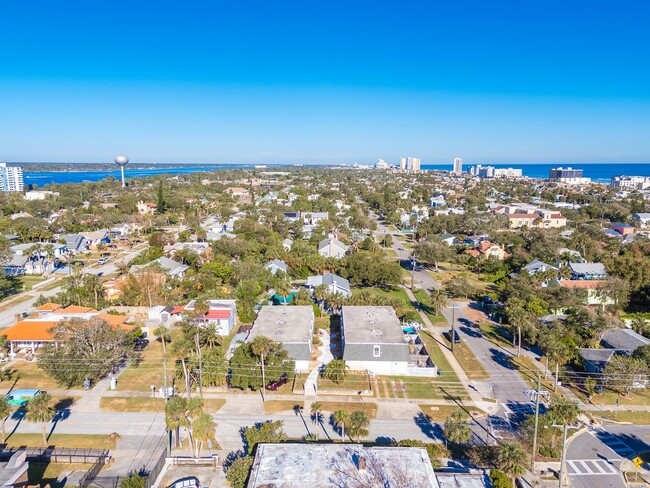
[122, 161]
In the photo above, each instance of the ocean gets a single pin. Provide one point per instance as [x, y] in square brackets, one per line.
[601, 172]
[597, 172]
[42, 178]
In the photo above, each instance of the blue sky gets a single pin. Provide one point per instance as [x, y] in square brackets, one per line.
[325, 82]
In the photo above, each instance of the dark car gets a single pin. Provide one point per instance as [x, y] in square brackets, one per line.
[275, 385]
[455, 335]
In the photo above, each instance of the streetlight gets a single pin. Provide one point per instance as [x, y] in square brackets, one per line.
[566, 427]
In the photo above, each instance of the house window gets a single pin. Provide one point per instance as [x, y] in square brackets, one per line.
[376, 351]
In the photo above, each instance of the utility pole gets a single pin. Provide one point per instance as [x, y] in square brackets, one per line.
[198, 349]
[537, 394]
[165, 375]
[566, 427]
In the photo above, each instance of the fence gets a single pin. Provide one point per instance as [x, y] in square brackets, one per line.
[91, 474]
[59, 455]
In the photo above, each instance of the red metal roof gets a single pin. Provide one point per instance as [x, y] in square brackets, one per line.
[218, 314]
[178, 309]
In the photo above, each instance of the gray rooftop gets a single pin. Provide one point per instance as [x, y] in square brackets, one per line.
[328, 279]
[327, 465]
[462, 480]
[536, 265]
[280, 264]
[284, 323]
[595, 356]
[588, 268]
[371, 325]
[623, 339]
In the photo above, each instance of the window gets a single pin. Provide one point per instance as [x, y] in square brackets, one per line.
[376, 351]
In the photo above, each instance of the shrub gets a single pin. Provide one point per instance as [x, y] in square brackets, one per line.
[499, 479]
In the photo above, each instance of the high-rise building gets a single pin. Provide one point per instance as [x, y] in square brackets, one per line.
[569, 176]
[402, 164]
[409, 164]
[458, 165]
[11, 178]
[381, 164]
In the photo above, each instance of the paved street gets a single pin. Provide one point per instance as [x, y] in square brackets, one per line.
[595, 457]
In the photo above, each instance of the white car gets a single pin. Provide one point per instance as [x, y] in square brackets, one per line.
[102, 261]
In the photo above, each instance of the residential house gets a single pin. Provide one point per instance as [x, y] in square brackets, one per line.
[75, 243]
[160, 313]
[487, 249]
[276, 265]
[622, 229]
[524, 215]
[169, 266]
[146, 208]
[286, 244]
[221, 314]
[293, 327]
[331, 247]
[438, 200]
[537, 266]
[96, 237]
[642, 219]
[237, 191]
[448, 239]
[32, 333]
[614, 341]
[334, 283]
[373, 340]
[292, 465]
[39, 194]
[593, 295]
[588, 271]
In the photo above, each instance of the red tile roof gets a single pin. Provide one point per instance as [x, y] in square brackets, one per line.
[218, 314]
[48, 307]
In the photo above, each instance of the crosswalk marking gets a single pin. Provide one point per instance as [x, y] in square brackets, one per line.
[614, 443]
[587, 467]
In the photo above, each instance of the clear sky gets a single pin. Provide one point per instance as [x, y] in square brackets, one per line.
[319, 81]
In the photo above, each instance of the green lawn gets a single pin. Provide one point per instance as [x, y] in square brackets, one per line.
[438, 357]
[425, 301]
[467, 360]
[28, 375]
[148, 404]
[353, 383]
[439, 413]
[640, 418]
[29, 281]
[81, 441]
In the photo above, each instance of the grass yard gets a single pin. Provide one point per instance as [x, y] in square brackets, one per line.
[609, 397]
[398, 293]
[353, 382]
[438, 358]
[43, 474]
[439, 413]
[28, 375]
[369, 408]
[640, 418]
[277, 406]
[449, 270]
[425, 302]
[29, 281]
[468, 361]
[80, 441]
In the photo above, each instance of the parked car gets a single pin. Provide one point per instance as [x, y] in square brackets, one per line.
[275, 385]
[188, 482]
[455, 335]
[102, 261]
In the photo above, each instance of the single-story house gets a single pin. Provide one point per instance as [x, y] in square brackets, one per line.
[291, 465]
[537, 266]
[331, 247]
[448, 239]
[293, 327]
[588, 271]
[221, 313]
[373, 340]
[614, 341]
[276, 265]
[169, 266]
[334, 283]
[75, 243]
[160, 313]
[96, 237]
[594, 360]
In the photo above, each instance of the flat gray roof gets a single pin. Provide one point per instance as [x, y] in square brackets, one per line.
[284, 323]
[372, 325]
[327, 465]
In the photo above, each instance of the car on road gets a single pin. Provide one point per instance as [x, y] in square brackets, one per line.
[455, 335]
[275, 385]
[102, 261]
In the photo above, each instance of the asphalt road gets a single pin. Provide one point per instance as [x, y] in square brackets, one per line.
[594, 458]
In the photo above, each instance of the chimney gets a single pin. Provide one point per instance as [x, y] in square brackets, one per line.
[361, 464]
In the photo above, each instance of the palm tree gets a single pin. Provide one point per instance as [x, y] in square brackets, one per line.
[39, 410]
[320, 294]
[261, 346]
[340, 419]
[283, 288]
[335, 371]
[439, 300]
[181, 350]
[122, 267]
[175, 416]
[209, 336]
[358, 422]
[316, 414]
[5, 411]
[203, 430]
[162, 333]
[512, 460]
[456, 428]
[93, 283]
